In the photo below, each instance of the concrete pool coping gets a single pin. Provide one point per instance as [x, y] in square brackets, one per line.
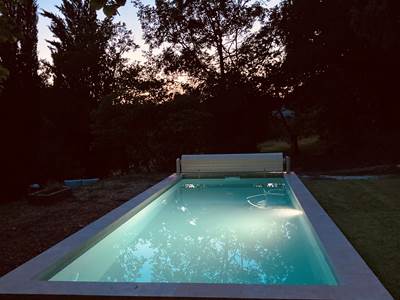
[355, 279]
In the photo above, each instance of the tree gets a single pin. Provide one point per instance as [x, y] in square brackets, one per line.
[18, 36]
[87, 52]
[87, 57]
[336, 61]
[204, 40]
[135, 130]
[19, 97]
[6, 35]
[110, 7]
[201, 38]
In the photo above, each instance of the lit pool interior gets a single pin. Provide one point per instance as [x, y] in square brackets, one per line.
[227, 230]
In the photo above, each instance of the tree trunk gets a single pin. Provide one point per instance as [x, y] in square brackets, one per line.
[294, 145]
[221, 61]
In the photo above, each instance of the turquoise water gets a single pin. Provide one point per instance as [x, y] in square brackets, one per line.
[243, 231]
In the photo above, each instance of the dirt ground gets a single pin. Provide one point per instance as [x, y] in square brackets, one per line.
[28, 229]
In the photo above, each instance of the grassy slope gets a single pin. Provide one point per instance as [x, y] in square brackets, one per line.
[368, 213]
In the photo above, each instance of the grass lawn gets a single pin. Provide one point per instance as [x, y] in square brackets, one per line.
[368, 213]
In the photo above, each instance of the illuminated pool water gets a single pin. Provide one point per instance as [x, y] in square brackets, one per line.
[232, 230]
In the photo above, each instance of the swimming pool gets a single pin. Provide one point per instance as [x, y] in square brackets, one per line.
[226, 230]
[226, 226]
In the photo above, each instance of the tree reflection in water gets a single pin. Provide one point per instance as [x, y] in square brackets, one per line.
[230, 242]
[205, 231]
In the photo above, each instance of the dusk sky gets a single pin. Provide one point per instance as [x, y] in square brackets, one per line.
[127, 14]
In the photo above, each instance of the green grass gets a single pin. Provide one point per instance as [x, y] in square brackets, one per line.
[368, 213]
[305, 144]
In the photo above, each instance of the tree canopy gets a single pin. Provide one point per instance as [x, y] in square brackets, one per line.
[202, 38]
[218, 76]
[20, 91]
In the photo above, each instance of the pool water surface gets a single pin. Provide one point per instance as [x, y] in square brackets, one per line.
[227, 230]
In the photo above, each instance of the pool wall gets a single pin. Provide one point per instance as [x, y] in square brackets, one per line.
[355, 280]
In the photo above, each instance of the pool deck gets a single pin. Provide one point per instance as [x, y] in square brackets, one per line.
[355, 280]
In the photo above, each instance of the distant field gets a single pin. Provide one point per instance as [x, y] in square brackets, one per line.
[305, 144]
[368, 213]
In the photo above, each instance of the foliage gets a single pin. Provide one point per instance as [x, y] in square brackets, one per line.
[87, 63]
[5, 36]
[3, 75]
[327, 63]
[171, 128]
[336, 67]
[110, 7]
[201, 38]
[205, 40]
[87, 53]
[333, 63]
[19, 94]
